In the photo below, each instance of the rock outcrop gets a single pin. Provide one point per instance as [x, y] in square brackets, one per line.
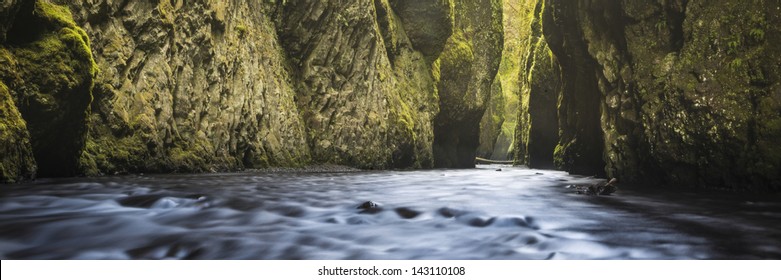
[188, 88]
[47, 68]
[498, 126]
[676, 92]
[468, 66]
[537, 130]
[175, 86]
[682, 92]
[17, 162]
[367, 94]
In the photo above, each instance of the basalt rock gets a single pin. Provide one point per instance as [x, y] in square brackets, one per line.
[48, 69]
[500, 120]
[427, 23]
[366, 90]
[537, 129]
[200, 86]
[17, 162]
[175, 86]
[468, 66]
[683, 93]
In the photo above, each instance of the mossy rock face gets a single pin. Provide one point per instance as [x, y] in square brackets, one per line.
[467, 69]
[537, 129]
[580, 134]
[543, 85]
[196, 86]
[491, 124]
[501, 119]
[698, 108]
[51, 77]
[366, 91]
[17, 161]
[685, 93]
[427, 23]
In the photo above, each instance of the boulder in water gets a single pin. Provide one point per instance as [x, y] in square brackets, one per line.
[370, 207]
[407, 213]
[597, 189]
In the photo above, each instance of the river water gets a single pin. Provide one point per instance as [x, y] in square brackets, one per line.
[481, 213]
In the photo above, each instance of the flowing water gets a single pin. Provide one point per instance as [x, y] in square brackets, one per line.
[480, 213]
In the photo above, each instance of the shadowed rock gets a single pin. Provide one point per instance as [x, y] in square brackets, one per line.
[370, 207]
[407, 213]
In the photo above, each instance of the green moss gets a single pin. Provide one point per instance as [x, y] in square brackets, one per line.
[165, 9]
[17, 162]
[456, 64]
[57, 71]
[736, 64]
[436, 70]
[758, 34]
[55, 14]
[185, 160]
[559, 156]
[242, 30]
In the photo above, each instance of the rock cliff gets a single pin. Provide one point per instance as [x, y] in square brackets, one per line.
[676, 92]
[498, 126]
[468, 66]
[113, 87]
[679, 92]
[47, 70]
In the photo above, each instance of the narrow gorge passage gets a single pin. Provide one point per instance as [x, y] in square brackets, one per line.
[483, 129]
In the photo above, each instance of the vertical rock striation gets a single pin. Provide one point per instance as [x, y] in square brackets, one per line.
[188, 87]
[499, 123]
[365, 87]
[677, 92]
[193, 86]
[468, 66]
[537, 131]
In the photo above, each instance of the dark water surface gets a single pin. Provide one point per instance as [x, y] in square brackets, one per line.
[439, 214]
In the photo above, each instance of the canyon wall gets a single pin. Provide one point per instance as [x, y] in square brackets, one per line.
[468, 66]
[681, 92]
[497, 128]
[115, 87]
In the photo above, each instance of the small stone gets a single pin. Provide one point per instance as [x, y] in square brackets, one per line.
[407, 213]
[369, 205]
[499, 169]
[609, 188]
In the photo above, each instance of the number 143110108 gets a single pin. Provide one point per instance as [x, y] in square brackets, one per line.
[439, 270]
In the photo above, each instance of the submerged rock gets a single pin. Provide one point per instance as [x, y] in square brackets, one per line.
[369, 207]
[407, 213]
[597, 189]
